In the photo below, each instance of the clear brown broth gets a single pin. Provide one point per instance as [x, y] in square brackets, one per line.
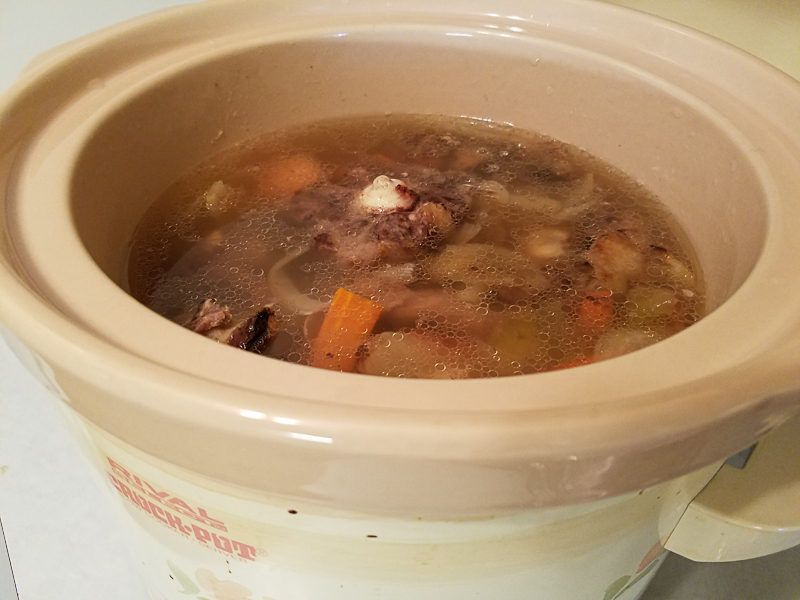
[514, 285]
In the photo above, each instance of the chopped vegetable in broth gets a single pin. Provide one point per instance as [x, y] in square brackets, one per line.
[416, 246]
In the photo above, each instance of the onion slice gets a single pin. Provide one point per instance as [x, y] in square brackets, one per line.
[464, 233]
[286, 292]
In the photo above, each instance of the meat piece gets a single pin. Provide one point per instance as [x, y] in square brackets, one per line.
[402, 235]
[215, 322]
[321, 204]
[391, 221]
[253, 333]
[209, 315]
[325, 241]
[616, 260]
[399, 236]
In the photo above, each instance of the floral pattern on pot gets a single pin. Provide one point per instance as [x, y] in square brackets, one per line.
[619, 586]
[221, 589]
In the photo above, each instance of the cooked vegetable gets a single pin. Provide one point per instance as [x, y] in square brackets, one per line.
[436, 216]
[290, 175]
[596, 311]
[516, 338]
[547, 245]
[616, 260]
[285, 291]
[412, 355]
[622, 341]
[493, 194]
[465, 232]
[216, 198]
[346, 327]
[481, 266]
[582, 192]
[489, 192]
[673, 268]
[678, 271]
[648, 303]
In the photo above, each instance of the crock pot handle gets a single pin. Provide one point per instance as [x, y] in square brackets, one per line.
[748, 512]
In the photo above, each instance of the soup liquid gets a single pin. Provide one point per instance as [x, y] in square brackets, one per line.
[540, 256]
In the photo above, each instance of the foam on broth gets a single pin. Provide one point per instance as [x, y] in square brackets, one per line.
[535, 255]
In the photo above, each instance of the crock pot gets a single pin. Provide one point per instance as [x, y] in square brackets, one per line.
[290, 482]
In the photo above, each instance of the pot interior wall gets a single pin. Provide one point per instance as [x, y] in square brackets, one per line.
[673, 144]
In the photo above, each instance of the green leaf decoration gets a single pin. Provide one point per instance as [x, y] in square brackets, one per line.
[646, 570]
[189, 586]
[630, 584]
[615, 588]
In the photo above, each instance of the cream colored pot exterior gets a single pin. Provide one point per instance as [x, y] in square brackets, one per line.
[95, 131]
[195, 536]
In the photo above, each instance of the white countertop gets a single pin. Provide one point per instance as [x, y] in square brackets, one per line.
[61, 537]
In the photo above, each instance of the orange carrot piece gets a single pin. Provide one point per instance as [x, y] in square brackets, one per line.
[346, 327]
[596, 311]
[287, 176]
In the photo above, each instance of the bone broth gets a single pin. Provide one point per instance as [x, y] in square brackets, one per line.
[416, 246]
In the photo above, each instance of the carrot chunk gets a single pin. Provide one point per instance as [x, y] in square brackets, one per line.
[287, 176]
[346, 326]
[596, 311]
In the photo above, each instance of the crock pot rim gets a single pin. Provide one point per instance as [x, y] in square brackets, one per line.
[169, 13]
[681, 338]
